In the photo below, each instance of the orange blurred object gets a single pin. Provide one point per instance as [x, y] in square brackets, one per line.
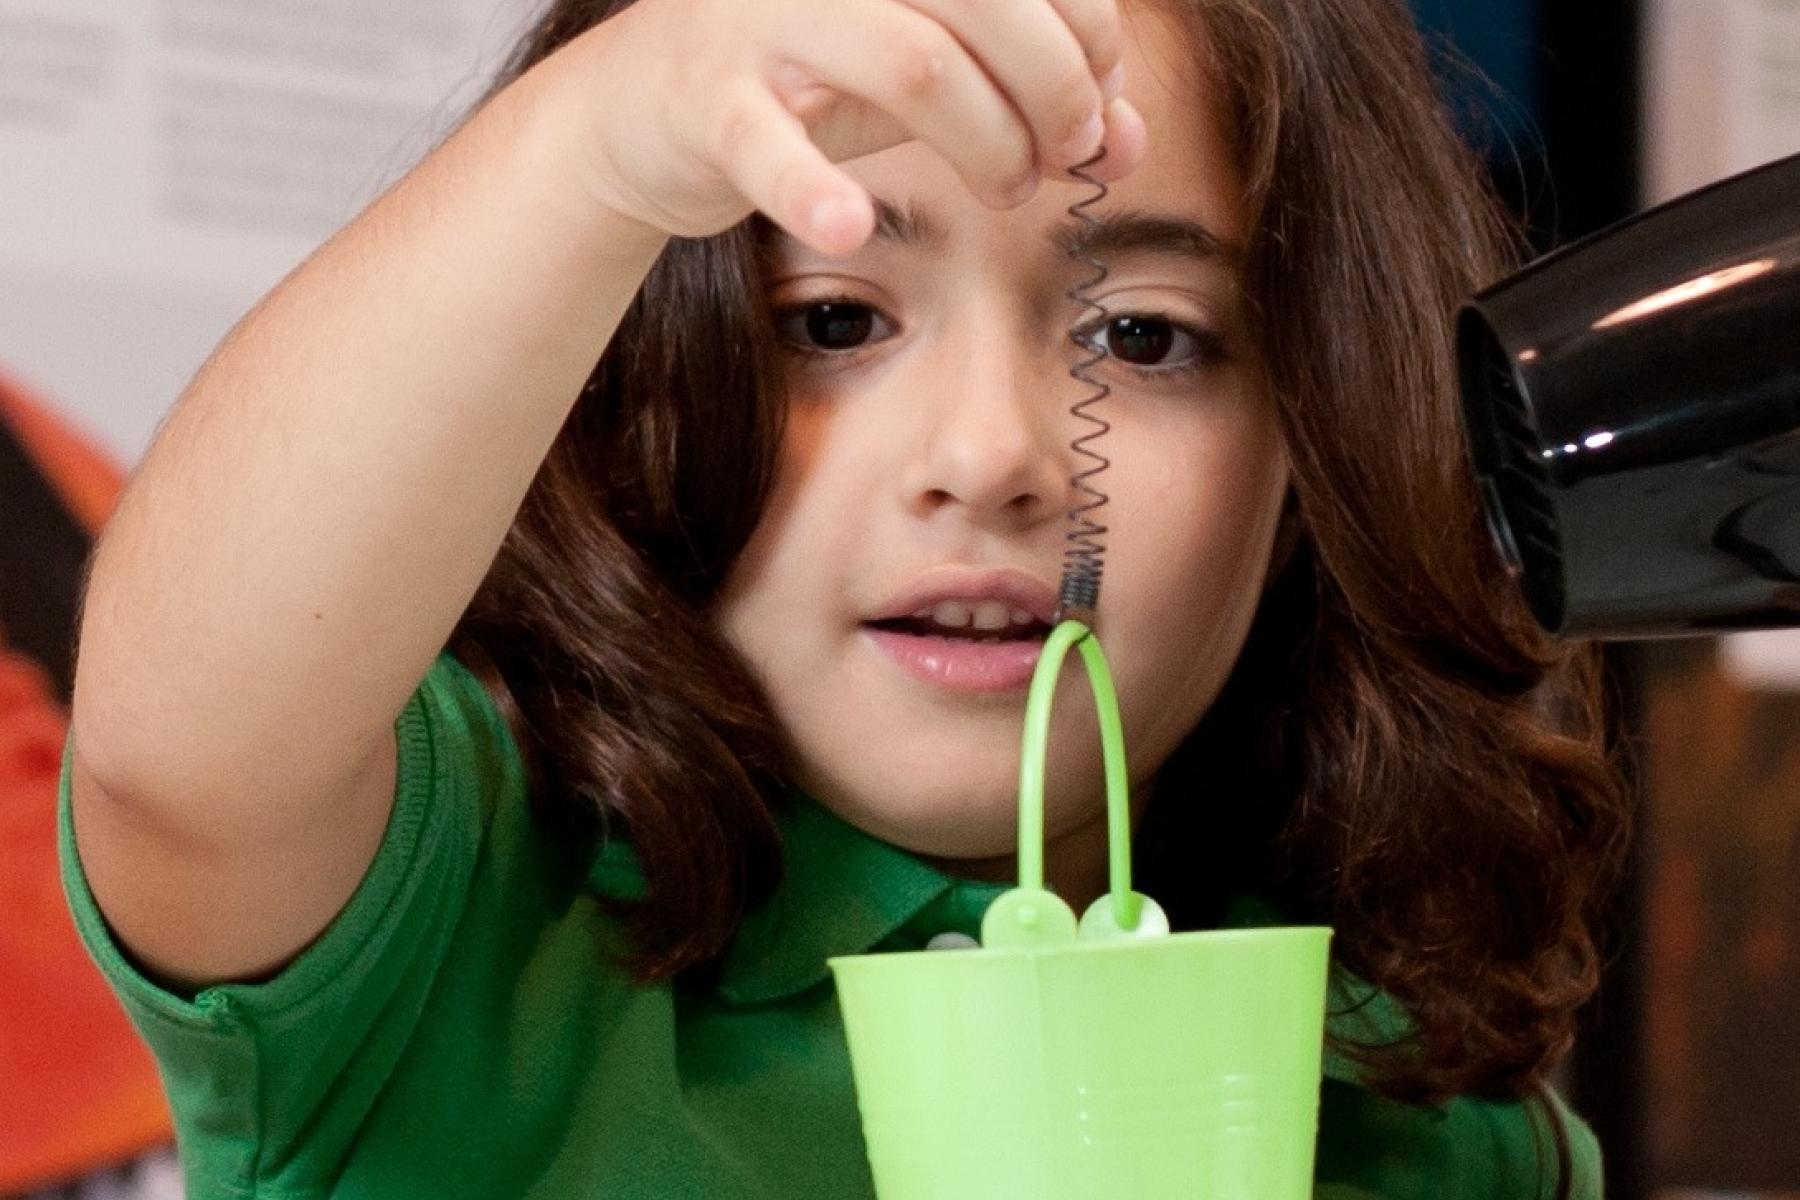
[78, 1089]
[86, 479]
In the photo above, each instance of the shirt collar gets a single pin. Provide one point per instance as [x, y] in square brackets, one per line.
[846, 892]
[842, 892]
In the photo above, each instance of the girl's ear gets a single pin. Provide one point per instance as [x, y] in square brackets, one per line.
[1287, 537]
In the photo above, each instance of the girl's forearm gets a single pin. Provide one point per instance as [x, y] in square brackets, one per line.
[327, 495]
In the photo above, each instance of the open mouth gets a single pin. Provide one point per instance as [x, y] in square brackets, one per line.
[1028, 630]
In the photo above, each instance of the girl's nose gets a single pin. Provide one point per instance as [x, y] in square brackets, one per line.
[992, 439]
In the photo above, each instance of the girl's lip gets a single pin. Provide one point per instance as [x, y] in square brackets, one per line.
[960, 665]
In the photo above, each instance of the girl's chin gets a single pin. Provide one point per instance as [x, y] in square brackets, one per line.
[940, 824]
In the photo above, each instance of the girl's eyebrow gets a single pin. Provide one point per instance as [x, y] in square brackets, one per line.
[1120, 232]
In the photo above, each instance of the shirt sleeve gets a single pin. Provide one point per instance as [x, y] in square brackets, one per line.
[261, 1076]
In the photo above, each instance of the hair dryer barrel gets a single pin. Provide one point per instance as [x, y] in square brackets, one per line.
[1633, 410]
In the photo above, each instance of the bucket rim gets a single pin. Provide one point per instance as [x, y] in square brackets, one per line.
[1161, 944]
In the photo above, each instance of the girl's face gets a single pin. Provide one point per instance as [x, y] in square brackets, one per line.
[927, 466]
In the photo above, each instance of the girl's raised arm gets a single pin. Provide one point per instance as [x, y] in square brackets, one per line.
[326, 497]
[307, 527]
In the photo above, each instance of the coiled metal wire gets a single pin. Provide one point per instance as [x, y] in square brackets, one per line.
[1084, 559]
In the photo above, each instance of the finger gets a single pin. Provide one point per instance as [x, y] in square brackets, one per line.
[766, 153]
[912, 68]
[1040, 63]
[1097, 26]
[1127, 140]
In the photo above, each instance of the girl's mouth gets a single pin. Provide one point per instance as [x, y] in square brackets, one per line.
[960, 657]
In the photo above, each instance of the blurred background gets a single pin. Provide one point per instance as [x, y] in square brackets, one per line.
[164, 162]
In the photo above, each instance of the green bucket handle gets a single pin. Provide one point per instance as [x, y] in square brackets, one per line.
[1030, 916]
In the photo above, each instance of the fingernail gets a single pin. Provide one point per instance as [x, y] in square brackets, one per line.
[1083, 144]
[1114, 84]
[826, 213]
[831, 216]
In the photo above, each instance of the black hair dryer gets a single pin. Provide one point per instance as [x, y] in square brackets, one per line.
[1633, 409]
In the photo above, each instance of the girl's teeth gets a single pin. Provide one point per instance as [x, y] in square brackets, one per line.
[982, 616]
[990, 616]
[951, 614]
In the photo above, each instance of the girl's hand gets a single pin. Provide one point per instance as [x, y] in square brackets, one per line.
[707, 110]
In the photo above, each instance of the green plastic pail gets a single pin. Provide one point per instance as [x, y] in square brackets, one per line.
[1067, 1060]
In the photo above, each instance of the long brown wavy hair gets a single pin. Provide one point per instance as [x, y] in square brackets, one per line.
[1399, 753]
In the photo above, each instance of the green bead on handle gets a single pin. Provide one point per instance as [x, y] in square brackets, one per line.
[1029, 916]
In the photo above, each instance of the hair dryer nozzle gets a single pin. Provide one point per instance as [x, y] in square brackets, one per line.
[1632, 405]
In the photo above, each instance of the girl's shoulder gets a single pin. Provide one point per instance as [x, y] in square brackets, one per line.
[1466, 1149]
[274, 1083]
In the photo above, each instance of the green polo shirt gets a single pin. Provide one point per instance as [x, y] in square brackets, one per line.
[460, 1030]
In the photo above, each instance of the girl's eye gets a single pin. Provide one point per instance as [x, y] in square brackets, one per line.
[1143, 343]
[826, 327]
[838, 326]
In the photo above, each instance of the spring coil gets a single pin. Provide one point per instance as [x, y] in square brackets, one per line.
[1084, 559]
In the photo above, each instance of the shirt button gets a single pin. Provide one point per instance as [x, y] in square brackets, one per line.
[953, 941]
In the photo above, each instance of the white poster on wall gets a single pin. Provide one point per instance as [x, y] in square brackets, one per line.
[1724, 80]
[164, 162]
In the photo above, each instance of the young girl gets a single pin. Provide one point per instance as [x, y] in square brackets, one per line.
[737, 633]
